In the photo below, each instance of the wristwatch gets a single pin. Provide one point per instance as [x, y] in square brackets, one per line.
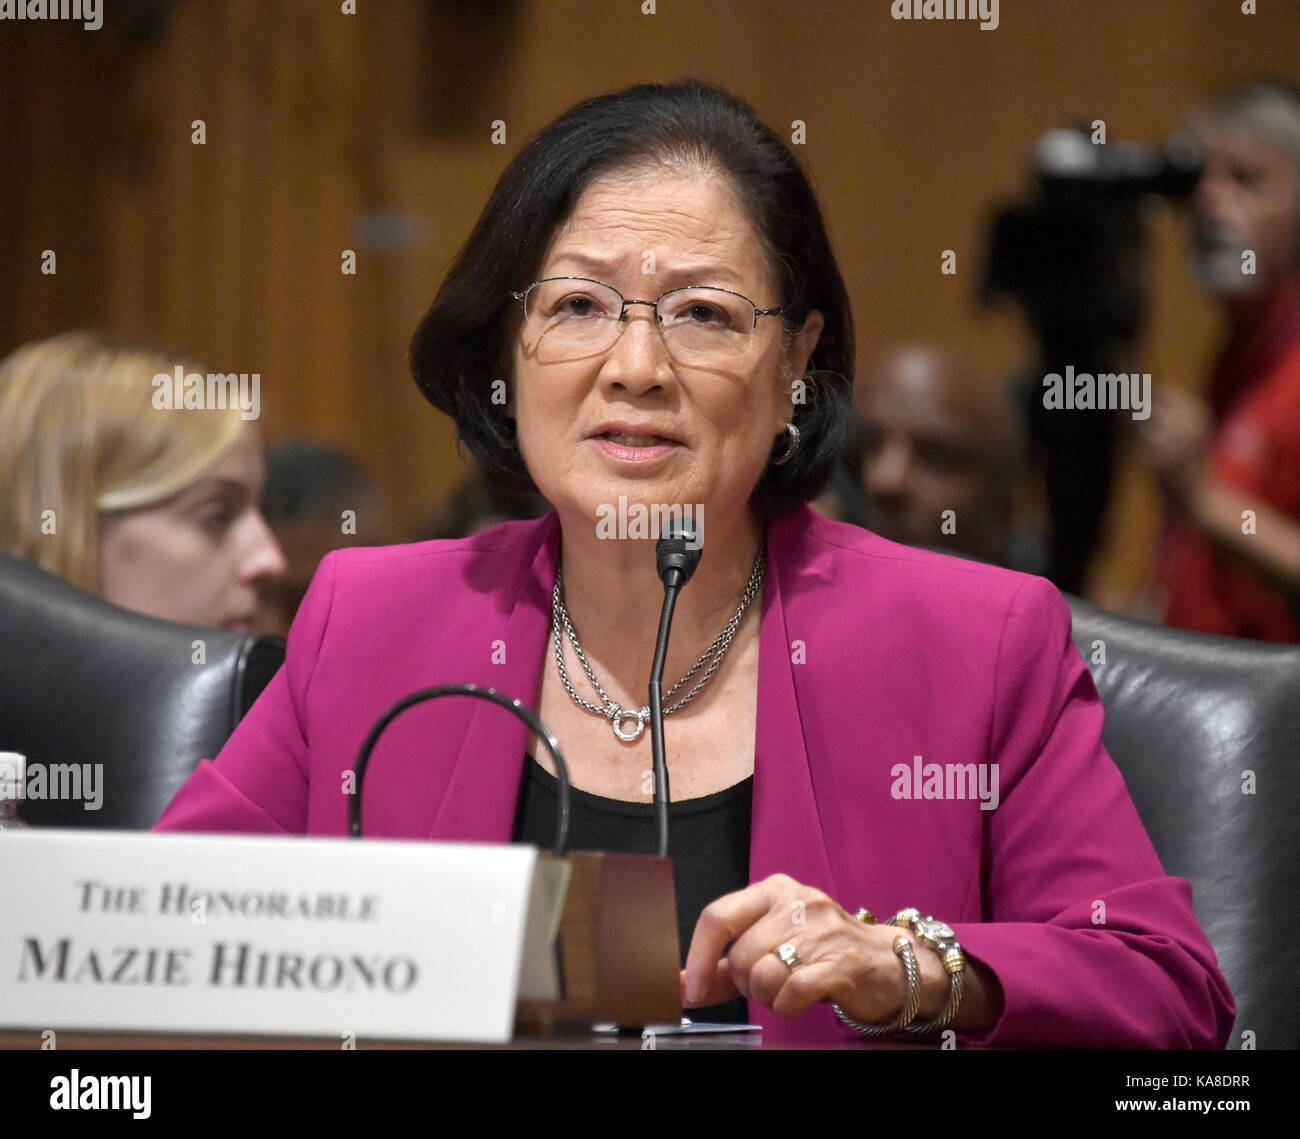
[939, 937]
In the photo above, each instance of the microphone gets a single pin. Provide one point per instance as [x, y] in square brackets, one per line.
[510, 704]
[677, 553]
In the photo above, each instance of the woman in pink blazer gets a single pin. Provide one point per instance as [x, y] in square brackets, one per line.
[648, 315]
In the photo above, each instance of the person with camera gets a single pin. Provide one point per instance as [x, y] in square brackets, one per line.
[1229, 464]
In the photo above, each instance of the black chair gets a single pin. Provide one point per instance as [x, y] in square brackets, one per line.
[85, 682]
[1191, 721]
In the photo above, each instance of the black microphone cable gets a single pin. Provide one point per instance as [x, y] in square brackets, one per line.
[525, 713]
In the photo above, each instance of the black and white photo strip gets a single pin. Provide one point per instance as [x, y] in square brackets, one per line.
[757, 528]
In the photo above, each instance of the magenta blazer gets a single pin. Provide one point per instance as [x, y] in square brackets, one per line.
[871, 654]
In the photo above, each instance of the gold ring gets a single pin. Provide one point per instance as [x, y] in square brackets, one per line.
[788, 954]
[865, 915]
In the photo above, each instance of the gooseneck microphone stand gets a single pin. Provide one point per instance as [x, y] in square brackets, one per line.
[677, 554]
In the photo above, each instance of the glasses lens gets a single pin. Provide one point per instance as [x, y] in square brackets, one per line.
[706, 320]
[573, 311]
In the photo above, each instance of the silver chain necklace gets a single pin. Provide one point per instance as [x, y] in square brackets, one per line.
[615, 713]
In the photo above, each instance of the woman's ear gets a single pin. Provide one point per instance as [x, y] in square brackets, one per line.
[805, 342]
[794, 364]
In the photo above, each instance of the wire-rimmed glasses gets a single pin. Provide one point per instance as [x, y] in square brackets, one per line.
[591, 314]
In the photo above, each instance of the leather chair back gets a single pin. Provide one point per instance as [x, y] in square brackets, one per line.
[84, 682]
[1206, 731]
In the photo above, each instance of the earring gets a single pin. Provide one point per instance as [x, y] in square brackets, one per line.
[790, 448]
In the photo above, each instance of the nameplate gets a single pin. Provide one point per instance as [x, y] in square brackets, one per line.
[284, 936]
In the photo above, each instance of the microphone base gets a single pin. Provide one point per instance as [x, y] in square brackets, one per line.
[618, 946]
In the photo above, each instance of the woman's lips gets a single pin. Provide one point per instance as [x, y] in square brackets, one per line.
[634, 448]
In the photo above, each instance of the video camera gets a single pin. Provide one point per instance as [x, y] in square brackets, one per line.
[1072, 251]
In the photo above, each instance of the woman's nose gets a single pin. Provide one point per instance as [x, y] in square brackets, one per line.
[263, 557]
[638, 358]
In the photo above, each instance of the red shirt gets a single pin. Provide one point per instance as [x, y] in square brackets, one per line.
[1255, 396]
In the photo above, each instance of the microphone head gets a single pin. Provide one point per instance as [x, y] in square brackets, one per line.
[678, 550]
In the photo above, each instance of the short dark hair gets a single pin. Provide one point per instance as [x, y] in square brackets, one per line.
[463, 343]
[311, 481]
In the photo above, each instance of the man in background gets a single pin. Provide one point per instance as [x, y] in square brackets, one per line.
[1229, 465]
[939, 461]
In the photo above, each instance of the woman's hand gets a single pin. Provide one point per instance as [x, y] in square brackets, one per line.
[844, 960]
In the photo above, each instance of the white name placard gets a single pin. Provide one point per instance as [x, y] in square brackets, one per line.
[287, 936]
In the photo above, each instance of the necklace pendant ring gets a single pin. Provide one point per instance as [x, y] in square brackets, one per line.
[617, 715]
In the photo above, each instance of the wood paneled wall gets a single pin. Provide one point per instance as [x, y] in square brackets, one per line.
[327, 131]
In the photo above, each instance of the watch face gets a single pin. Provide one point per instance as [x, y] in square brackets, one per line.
[933, 930]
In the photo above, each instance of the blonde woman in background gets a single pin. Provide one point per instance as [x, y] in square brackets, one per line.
[153, 509]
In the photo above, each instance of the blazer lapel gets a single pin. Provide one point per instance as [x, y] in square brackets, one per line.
[787, 831]
[481, 797]
[786, 836]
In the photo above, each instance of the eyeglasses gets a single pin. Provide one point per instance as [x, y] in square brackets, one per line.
[589, 314]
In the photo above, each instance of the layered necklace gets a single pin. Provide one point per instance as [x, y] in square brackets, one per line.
[616, 714]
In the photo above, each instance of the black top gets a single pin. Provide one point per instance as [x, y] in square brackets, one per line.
[710, 846]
